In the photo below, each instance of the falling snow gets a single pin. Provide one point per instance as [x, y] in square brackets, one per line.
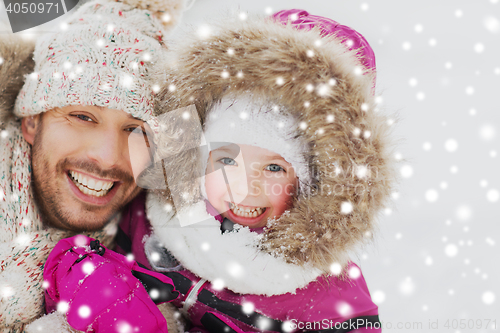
[451, 250]
[451, 145]
[441, 220]
[488, 297]
[336, 268]
[407, 286]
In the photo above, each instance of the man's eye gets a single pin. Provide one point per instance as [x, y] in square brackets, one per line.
[227, 161]
[274, 168]
[136, 130]
[83, 117]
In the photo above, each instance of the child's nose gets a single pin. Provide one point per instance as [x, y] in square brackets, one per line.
[246, 183]
[238, 187]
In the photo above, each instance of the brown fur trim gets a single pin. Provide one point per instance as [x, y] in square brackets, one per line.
[172, 315]
[264, 55]
[17, 56]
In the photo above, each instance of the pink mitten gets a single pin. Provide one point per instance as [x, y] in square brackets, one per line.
[102, 291]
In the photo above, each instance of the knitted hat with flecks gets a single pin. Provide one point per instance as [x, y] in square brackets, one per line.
[101, 57]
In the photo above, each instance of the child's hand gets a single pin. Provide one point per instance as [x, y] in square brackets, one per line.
[101, 291]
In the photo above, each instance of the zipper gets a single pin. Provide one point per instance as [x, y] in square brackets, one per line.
[191, 297]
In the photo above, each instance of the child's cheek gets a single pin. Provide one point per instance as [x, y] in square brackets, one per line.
[280, 194]
[216, 190]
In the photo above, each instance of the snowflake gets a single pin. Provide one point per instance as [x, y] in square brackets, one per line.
[336, 268]
[406, 46]
[154, 294]
[166, 17]
[155, 256]
[493, 195]
[62, 307]
[487, 132]
[406, 171]
[354, 272]
[7, 291]
[235, 269]
[431, 195]
[378, 297]
[88, 268]
[479, 48]
[124, 327]
[248, 308]
[218, 284]
[344, 308]
[127, 81]
[451, 250]
[407, 287]
[464, 213]
[346, 207]
[491, 24]
[488, 297]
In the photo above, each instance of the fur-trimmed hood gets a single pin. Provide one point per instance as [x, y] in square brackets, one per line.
[323, 87]
[17, 61]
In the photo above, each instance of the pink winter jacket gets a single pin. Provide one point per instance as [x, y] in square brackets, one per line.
[327, 304]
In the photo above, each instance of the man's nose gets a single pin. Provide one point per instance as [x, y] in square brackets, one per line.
[106, 149]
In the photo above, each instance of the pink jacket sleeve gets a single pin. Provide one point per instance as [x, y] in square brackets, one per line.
[343, 304]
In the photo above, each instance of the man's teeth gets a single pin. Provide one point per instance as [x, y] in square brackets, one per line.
[89, 185]
[246, 212]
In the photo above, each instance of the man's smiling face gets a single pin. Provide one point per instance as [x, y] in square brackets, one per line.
[82, 170]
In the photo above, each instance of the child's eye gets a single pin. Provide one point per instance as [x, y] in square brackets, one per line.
[274, 168]
[227, 161]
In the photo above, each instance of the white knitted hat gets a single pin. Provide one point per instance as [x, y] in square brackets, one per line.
[102, 57]
[250, 122]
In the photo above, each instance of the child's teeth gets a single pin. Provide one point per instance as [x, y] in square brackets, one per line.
[246, 212]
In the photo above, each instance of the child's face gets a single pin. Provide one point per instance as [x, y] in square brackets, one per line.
[260, 184]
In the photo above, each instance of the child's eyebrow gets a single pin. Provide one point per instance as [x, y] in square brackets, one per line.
[225, 149]
[273, 156]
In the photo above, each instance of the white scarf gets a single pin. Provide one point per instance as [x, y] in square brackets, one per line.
[25, 242]
[232, 260]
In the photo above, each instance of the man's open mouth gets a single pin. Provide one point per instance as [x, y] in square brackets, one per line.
[90, 186]
[246, 211]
